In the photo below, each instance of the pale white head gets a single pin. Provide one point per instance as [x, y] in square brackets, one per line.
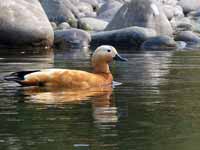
[103, 55]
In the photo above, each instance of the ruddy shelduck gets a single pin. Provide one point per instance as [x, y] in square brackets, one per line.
[67, 78]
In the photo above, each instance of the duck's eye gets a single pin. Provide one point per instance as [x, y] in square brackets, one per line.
[109, 50]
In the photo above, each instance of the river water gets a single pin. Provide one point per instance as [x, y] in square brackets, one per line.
[157, 106]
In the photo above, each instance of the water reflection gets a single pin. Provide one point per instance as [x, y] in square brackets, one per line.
[104, 110]
[61, 96]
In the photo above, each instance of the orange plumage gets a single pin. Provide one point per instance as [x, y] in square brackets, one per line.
[72, 78]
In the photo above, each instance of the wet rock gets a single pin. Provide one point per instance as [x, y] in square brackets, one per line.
[24, 23]
[63, 26]
[189, 5]
[159, 43]
[131, 37]
[60, 10]
[143, 13]
[92, 24]
[71, 38]
[192, 40]
[187, 36]
[108, 10]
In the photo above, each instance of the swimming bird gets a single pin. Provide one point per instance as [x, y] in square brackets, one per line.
[68, 78]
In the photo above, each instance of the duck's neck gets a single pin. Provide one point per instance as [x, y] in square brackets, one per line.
[101, 68]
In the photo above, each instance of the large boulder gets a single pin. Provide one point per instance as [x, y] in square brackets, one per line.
[24, 23]
[189, 5]
[131, 37]
[143, 13]
[60, 11]
[71, 38]
[159, 43]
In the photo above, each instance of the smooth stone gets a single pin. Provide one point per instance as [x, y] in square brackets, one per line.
[189, 5]
[131, 36]
[63, 26]
[178, 11]
[92, 24]
[94, 3]
[168, 2]
[194, 14]
[24, 23]
[159, 43]
[143, 13]
[85, 8]
[181, 24]
[187, 36]
[71, 37]
[169, 11]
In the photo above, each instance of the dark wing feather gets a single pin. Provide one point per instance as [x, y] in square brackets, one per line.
[18, 76]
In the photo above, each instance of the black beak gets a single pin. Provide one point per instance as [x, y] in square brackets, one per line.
[119, 58]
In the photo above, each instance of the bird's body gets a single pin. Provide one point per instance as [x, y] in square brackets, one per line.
[72, 78]
[66, 78]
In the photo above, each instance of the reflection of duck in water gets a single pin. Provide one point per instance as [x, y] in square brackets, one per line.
[72, 78]
[104, 110]
[61, 96]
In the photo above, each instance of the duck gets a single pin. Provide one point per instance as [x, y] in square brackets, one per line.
[69, 78]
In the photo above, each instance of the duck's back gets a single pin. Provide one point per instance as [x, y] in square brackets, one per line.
[65, 78]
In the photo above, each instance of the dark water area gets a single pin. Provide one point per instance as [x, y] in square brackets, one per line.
[156, 107]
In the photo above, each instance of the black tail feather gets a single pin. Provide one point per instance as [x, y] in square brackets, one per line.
[18, 76]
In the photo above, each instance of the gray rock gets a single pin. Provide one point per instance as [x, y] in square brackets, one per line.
[187, 36]
[181, 24]
[196, 25]
[92, 24]
[194, 14]
[63, 26]
[141, 13]
[168, 2]
[85, 9]
[173, 11]
[24, 23]
[60, 10]
[189, 5]
[190, 38]
[169, 11]
[178, 11]
[94, 3]
[159, 43]
[131, 36]
[109, 9]
[71, 37]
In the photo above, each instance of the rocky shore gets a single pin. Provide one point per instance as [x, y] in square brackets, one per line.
[140, 24]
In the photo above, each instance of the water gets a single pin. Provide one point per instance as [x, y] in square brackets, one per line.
[156, 107]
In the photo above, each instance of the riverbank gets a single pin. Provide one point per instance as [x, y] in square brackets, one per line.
[139, 24]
